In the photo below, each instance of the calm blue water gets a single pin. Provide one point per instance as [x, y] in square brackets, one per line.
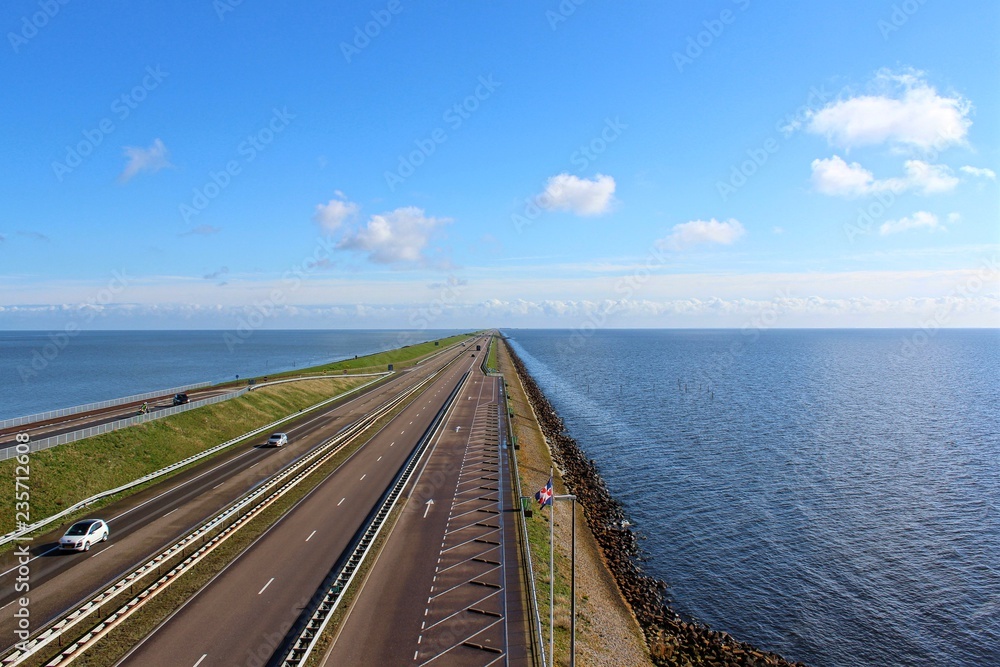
[829, 495]
[40, 371]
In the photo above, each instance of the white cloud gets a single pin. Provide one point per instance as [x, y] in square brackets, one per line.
[907, 112]
[527, 297]
[929, 178]
[699, 232]
[979, 172]
[151, 159]
[919, 220]
[835, 177]
[784, 309]
[565, 192]
[335, 212]
[397, 237]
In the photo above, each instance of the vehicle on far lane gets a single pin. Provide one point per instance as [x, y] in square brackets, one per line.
[180, 399]
[82, 534]
[277, 440]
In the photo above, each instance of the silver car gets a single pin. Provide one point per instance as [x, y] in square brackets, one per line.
[277, 440]
[82, 534]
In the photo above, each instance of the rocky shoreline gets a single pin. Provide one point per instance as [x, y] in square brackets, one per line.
[671, 640]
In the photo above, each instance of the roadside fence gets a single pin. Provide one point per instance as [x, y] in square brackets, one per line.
[63, 438]
[64, 412]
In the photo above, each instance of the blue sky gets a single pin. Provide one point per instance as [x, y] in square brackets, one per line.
[576, 164]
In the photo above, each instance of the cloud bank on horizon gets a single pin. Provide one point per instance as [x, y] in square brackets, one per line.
[578, 183]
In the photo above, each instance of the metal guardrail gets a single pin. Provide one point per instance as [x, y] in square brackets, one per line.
[339, 580]
[63, 412]
[64, 438]
[25, 530]
[537, 645]
[265, 494]
[303, 378]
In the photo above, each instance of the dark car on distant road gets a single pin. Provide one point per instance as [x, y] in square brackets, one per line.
[180, 399]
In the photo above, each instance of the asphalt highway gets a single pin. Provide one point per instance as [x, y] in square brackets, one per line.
[143, 524]
[243, 614]
[446, 587]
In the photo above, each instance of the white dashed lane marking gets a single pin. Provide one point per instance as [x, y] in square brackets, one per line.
[102, 551]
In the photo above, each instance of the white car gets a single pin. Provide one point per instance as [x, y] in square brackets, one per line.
[82, 534]
[277, 440]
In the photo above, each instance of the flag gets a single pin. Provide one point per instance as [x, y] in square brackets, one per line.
[544, 495]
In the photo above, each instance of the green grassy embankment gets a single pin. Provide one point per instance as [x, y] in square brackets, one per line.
[402, 357]
[64, 475]
[491, 358]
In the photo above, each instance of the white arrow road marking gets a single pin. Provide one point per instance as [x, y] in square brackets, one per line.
[429, 503]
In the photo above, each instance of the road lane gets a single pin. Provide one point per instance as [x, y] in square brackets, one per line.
[329, 515]
[145, 523]
[446, 587]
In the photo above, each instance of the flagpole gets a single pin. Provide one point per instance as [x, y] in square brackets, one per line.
[552, 573]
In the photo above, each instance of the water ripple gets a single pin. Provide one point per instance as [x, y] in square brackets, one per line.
[814, 492]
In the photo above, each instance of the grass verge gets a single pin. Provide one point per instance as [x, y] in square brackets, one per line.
[607, 632]
[402, 357]
[491, 358]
